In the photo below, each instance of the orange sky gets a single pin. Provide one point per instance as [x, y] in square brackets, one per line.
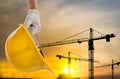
[61, 19]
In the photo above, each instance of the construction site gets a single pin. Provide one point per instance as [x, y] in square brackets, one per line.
[91, 49]
[76, 40]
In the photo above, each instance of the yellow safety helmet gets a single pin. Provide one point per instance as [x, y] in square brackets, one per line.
[22, 52]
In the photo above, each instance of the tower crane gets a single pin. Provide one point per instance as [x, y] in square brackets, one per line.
[72, 58]
[112, 67]
[90, 41]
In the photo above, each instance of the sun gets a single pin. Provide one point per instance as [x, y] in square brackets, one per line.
[67, 72]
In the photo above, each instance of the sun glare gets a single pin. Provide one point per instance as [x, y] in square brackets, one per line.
[67, 72]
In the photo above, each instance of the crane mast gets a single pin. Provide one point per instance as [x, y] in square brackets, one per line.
[91, 55]
[112, 65]
[69, 62]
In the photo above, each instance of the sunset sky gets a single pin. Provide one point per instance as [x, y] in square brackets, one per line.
[64, 18]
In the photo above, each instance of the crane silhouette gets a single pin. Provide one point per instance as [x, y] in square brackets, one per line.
[112, 67]
[73, 58]
[90, 41]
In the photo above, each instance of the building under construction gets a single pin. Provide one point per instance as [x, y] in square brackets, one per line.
[64, 76]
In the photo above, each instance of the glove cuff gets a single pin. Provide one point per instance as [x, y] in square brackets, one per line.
[34, 11]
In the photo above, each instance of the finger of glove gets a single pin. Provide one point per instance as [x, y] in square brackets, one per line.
[27, 21]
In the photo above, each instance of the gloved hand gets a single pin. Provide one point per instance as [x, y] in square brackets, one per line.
[32, 21]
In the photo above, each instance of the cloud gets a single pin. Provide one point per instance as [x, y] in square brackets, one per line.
[63, 18]
[12, 13]
[104, 12]
[103, 4]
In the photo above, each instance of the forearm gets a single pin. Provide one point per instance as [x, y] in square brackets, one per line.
[32, 4]
[33, 17]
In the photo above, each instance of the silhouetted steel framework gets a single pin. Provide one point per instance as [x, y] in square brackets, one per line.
[90, 41]
[112, 67]
[69, 61]
[73, 58]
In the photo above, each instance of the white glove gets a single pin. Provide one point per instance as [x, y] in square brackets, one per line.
[32, 21]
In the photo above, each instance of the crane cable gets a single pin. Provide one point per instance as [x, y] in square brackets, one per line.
[80, 33]
[73, 35]
[98, 32]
